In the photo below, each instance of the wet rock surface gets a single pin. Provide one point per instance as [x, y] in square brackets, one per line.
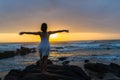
[54, 72]
[100, 70]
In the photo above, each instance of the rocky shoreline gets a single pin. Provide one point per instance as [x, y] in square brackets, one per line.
[54, 72]
[91, 71]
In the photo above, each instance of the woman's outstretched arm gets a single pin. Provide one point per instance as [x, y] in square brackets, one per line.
[53, 32]
[34, 33]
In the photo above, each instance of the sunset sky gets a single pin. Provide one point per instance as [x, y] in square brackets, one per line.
[86, 19]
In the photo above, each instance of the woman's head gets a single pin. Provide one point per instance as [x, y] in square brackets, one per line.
[44, 27]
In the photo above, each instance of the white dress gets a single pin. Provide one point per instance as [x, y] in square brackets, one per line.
[44, 47]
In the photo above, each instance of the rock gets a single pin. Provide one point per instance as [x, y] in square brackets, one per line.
[115, 69]
[38, 76]
[48, 61]
[14, 74]
[30, 68]
[33, 50]
[21, 51]
[110, 76]
[80, 72]
[62, 58]
[7, 54]
[65, 62]
[11, 78]
[97, 67]
[101, 69]
[114, 66]
[76, 72]
[54, 72]
[86, 61]
[38, 63]
[24, 50]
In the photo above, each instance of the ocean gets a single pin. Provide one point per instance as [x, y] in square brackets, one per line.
[75, 51]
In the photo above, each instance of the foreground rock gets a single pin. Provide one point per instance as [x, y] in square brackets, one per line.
[102, 69]
[54, 72]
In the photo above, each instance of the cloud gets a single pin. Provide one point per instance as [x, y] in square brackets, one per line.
[76, 15]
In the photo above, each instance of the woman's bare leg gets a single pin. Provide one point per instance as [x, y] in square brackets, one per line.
[44, 65]
[41, 63]
[41, 60]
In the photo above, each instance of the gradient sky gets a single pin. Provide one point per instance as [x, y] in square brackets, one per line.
[79, 16]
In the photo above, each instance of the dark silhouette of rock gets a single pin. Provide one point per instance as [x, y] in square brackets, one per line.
[38, 63]
[33, 50]
[86, 61]
[62, 58]
[115, 68]
[65, 62]
[13, 75]
[21, 51]
[25, 50]
[48, 61]
[101, 69]
[54, 72]
[97, 67]
[7, 54]
[30, 68]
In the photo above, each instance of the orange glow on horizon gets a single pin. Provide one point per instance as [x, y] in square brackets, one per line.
[14, 37]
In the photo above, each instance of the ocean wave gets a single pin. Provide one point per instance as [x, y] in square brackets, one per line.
[86, 46]
[9, 47]
[69, 46]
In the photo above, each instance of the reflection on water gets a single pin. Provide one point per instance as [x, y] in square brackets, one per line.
[54, 54]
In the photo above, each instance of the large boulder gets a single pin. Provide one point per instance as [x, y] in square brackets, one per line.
[115, 69]
[101, 69]
[54, 72]
[97, 67]
[14, 74]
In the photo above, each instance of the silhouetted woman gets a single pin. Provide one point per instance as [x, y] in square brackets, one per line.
[44, 47]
